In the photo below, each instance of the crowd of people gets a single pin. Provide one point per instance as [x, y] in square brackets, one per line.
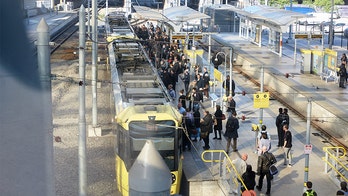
[172, 65]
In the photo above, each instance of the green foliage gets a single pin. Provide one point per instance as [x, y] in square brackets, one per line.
[326, 4]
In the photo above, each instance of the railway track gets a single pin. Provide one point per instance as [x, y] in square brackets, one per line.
[325, 134]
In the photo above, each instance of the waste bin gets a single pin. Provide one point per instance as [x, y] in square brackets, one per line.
[306, 57]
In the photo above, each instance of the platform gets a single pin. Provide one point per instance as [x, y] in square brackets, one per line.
[328, 99]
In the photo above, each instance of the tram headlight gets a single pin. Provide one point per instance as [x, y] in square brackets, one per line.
[173, 178]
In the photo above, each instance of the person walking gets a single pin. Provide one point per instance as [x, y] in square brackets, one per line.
[240, 166]
[287, 145]
[231, 132]
[218, 125]
[309, 191]
[343, 190]
[263, 163]
[206, 128]
[280, 131]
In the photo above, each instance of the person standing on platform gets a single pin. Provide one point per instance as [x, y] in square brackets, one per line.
[280, 131]
[286, 118]
[231, 132]
[287, 145]
[263, 163]
[182, 98]
[248, 178]
[343, 190]
[197, 118]
[218, 125]
[309, 191]
[186, 80]
[206, 128]
[206, 80]
[231, 105]
[226, 86]
[343, 75]
[241, 164]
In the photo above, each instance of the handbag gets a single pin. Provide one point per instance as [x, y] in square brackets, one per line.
[273, 170]
[223, 117]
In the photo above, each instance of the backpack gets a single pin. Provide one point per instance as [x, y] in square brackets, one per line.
[310, 193]
[284, 120]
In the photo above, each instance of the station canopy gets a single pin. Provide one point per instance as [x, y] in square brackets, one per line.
[173, 16]
[275, 18]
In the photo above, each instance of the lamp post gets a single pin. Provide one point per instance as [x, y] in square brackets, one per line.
[222, 77]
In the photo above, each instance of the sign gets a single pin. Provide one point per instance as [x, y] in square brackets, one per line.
[316, 36]
[261, 100]
[301, 36]
[178, 36]
[308, 149]
[190, 36]
[218, 75]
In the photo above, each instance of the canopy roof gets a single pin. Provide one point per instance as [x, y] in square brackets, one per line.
[278, 19]
[173, 16]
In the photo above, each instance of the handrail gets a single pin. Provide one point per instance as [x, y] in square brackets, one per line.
[221, 160]
[335, 157]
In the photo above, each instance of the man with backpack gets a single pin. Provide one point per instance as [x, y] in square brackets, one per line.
[263, 164]
[309, 191]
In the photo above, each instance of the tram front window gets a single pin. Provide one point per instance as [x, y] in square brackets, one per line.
[162, 134]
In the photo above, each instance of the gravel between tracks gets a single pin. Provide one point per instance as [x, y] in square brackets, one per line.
[100, 153]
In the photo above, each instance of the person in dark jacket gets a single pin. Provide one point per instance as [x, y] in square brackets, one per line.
[343, 75]
[263, 163]
[280, 131]
[231, 105]
[197, 118]
[249, 178]
[206, 128]
[218, 126]
[231, 132]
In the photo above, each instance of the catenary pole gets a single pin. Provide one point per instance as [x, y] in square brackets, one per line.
[82, 105]
[94, 64]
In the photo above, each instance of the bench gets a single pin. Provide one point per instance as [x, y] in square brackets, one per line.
[328, 74]
[213, 98]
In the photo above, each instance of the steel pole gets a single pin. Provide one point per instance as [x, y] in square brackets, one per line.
[82, 105]
[89, 19]
[209, 56]
[309, 113]
[261, 109]
[231, 75]
[331, 25]
[44, 69]
[94, 63]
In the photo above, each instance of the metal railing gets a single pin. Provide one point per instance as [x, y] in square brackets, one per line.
[333, 158]
[226, 168]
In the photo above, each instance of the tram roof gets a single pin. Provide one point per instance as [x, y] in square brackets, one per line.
[275, 18]
[174, 16]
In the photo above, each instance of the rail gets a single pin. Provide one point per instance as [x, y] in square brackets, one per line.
[334, 160]
[226, 167]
